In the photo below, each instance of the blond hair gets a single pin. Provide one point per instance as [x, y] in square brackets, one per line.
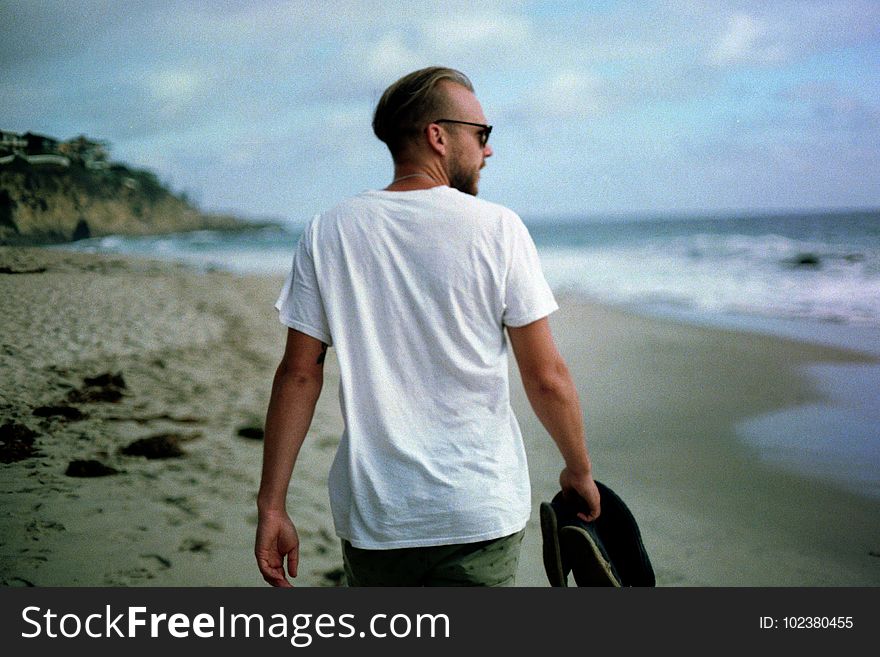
[408, 105]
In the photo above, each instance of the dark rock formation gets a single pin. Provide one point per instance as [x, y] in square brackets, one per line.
[16, 442]
[251, 432]
[81, 232]
[159, 446]
[89, 468]
[105, 387]
[67, 412]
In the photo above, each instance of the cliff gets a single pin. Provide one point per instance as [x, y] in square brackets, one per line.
[60, 195]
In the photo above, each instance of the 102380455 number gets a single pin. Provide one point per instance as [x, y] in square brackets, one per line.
[817, 622]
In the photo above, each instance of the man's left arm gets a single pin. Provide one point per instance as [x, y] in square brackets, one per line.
[295, 392]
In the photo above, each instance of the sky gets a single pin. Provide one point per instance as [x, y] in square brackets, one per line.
[599, 108]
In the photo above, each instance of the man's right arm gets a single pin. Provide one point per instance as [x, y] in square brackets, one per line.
[554, 398]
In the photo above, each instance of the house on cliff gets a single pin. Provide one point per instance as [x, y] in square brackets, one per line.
[11, 142]
[32, 148]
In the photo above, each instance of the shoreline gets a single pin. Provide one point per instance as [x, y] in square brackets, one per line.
[197, 351]
[849, 396]
[711, 511]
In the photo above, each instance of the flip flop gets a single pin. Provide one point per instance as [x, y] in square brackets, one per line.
[578, 545]
[556, 573]
[589, 561]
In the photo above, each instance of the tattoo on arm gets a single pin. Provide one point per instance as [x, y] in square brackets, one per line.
[323, 354]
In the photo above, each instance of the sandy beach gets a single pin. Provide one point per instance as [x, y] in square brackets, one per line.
[148, 374]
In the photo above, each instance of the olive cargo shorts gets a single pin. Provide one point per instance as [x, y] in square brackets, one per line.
[486, 563]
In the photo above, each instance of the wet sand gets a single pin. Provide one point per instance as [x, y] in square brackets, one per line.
[100, 352]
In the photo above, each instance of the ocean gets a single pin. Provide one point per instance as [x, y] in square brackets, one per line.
[809, 276]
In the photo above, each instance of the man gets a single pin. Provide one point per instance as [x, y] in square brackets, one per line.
[414, 286]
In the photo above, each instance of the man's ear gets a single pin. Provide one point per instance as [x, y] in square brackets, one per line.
[436, 138]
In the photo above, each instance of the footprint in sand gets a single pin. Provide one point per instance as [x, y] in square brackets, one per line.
[195, 545]
[127, 577]
[152, 563]
[36, 528]
[164, 564]
[335, 577]
[17, 582]
[182, 504]
[327, 443]
[28, 559]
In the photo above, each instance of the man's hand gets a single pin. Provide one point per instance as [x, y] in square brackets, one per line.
[576, 486]
[276, 539]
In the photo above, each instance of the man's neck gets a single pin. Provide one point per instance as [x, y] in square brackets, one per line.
[409, 177]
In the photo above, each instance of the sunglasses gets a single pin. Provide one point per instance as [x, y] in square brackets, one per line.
[483, 134]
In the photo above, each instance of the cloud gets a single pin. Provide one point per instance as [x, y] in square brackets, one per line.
[388, 57]
[229, 90]
[175, 87]
[479, 42]
[747, 40]
[478, 34]
[823, 108]
[782, 32]
[570, 94]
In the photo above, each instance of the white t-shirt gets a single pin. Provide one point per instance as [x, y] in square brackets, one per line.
[413, 290]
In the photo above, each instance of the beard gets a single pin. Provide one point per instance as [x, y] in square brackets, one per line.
[462, 179]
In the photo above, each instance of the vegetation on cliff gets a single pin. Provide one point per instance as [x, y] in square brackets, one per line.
[54, 192]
